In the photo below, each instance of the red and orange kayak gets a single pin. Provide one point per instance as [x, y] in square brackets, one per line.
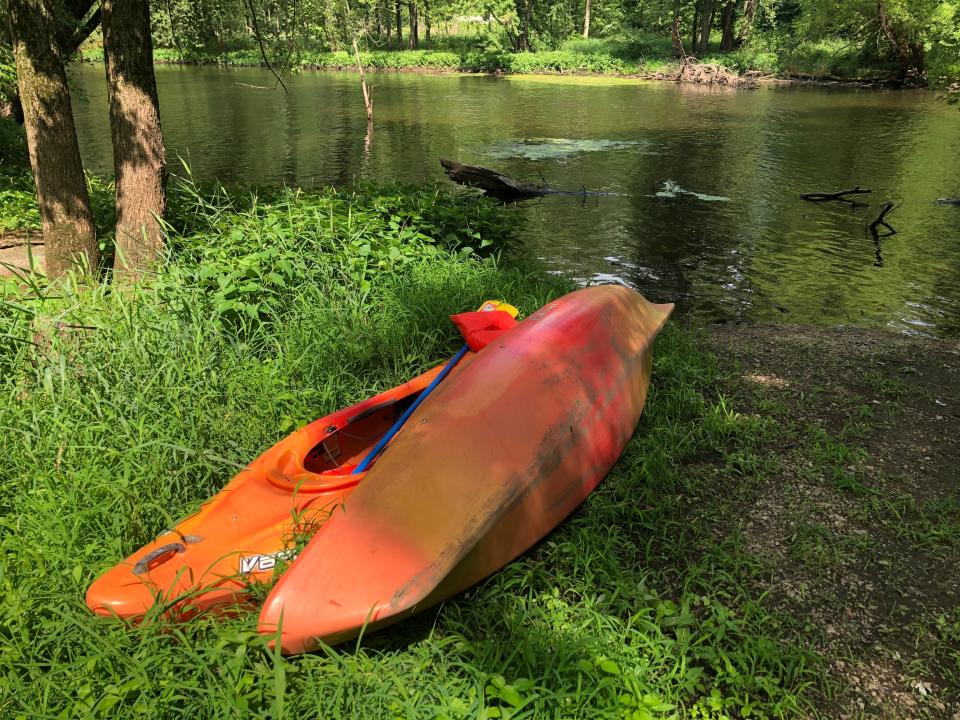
[505, 448]
[497, 457]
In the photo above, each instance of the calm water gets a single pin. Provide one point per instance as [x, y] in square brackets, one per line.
[761, 253]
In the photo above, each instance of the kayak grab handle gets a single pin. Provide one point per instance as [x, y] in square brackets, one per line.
[382, 442]
[143, 565]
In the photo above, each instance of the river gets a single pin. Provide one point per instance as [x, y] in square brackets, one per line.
[705, 209]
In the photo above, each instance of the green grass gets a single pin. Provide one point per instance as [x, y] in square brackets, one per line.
[277, 308]
[18, 200]
[929, 524]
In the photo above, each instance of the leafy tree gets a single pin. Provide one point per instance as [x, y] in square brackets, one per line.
[908, 28]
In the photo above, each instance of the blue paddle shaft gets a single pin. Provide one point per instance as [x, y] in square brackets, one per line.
[382, 443]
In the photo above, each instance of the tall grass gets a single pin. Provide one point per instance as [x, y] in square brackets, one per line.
[122, 411]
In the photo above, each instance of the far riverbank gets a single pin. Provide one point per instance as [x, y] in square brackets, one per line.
[741, 68]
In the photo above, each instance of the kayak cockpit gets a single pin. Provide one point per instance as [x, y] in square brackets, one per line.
[323, 458]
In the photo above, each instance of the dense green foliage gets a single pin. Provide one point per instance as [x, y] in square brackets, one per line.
[123, 411]
[610, 57]
[905, 37]
[8, 73]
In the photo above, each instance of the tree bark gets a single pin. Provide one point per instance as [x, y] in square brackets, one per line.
[399, 13]
[694, 27]
[586, 19]
[62, 195]
[139, 158]
[706, 21]
[525, 15]
[71, 30]
[726, 42]
[414, 39]
[746, 22]
[389, 26]
[675, 40]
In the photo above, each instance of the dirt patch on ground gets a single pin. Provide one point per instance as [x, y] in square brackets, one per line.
[17, 248]
[859, 520]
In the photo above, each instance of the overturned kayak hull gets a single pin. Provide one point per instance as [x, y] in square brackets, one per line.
[497, 457]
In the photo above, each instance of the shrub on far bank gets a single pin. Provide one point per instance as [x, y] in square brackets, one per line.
[771, 53]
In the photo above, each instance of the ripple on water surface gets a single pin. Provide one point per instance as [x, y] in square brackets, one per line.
[765, 254]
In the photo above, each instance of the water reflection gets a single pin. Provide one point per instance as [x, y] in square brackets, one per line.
[765, 255]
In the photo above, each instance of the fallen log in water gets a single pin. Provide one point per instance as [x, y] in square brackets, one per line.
[839, 195]
[494, 184]
[503, 187]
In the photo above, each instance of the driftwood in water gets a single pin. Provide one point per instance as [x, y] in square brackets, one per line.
[839, 195]
[503, 187]
[880, 221]
[875, 232]
[691, 70]
[494, 184]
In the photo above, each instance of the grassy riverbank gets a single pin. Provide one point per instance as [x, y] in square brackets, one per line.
[649, 57]
[122, 412]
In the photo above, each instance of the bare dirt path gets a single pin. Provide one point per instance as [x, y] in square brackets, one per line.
[860, 519]
[17, 248]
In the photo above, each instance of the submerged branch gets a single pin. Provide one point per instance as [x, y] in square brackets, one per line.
[367, 100]
[839, 195]
[880, 220]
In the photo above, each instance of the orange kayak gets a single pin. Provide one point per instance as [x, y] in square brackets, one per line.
[216, 557]
[505, 448]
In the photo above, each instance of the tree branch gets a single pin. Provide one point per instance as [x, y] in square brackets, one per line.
[880, 220]
[248, 4]
[839, 195]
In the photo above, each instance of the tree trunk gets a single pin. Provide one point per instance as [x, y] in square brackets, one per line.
[388, 23]
[675, 39]
[426, 17]
[918, 58]
[399, 12]
[72, 29]
[910, 54]
[68, 230]
[903, 53]
[525, 15]
[586, 19]
[414, 39]
[694, 27]
[706, 22]
[139, 159]
[173, 30]
[726, 42]
[746, 22]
